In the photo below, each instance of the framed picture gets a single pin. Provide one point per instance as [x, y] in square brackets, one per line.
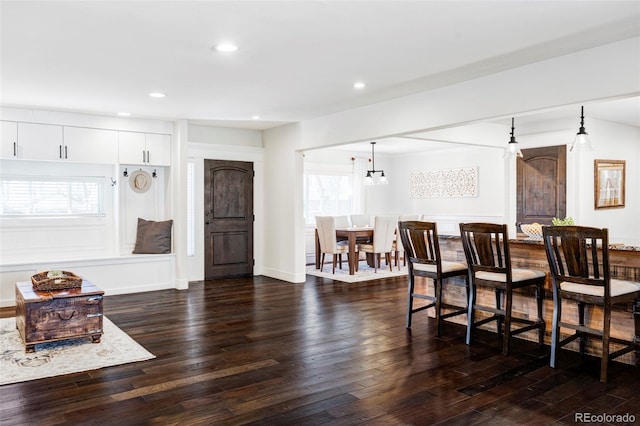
[609, 183]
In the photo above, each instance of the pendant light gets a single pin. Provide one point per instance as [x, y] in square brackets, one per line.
[513, 150]
[368, 180]
[582, 141]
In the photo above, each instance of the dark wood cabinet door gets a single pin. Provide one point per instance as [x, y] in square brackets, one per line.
[228, 199]
[541, 185]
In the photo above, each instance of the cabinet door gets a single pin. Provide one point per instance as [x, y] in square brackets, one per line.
[8, 139]
[40, 141]
[131, 148]
[158, 149]
[91, 145]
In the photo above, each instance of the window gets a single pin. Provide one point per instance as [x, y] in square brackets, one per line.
[51, 196]
[327, 195]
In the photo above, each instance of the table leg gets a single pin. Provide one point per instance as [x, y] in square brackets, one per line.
[352, 253]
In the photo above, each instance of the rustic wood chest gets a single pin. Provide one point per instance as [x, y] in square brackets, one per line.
[46, 316]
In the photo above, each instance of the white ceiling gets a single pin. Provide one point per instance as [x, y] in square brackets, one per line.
[296, 60]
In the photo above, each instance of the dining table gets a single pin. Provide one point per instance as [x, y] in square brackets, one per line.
[352, 234]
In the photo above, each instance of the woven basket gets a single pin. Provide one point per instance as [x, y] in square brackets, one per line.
[43, 283]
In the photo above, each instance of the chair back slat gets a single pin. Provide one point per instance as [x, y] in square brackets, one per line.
[486, 247]
[578, 254]
[420, 241]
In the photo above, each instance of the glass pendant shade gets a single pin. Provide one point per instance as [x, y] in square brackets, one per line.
[513, 150]
[368, 180]
[581, 143]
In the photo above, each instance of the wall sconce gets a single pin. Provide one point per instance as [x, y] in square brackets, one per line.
[582, 141]
[513, 150]
[368, 180]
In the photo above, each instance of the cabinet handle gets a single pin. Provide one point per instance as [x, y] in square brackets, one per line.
[15, 149]
[60, 151]
[93, 315]
[94, 298]
[68, 318]
[148, 157]
[143, 156]
[65, 152]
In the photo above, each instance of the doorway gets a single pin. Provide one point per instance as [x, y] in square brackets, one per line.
[541, 185]
[228, 218]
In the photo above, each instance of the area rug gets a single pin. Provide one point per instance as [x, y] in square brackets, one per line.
[365, 273]
[65, 356]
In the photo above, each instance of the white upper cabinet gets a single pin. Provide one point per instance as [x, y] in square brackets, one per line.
[62, 143]
[8, 139]
[144, 148]
[50, 142]
[90, 145]
[158, 149]
[40, 141]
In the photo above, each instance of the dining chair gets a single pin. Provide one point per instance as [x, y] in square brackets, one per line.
[360, 220]
[342, 221]
[398, 248]
[486, 248]
[420, 241]
[384, 230]
[326, 227]
[579, 261]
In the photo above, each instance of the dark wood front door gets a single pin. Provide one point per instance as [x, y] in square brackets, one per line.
[228, 208]
[541, 185]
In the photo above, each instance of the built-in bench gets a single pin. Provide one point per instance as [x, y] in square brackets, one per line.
[115, 275]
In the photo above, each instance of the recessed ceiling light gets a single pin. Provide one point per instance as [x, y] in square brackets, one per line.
[358, 85]
[157, 95]
[226, 47]
[124, 114]
[255, 117]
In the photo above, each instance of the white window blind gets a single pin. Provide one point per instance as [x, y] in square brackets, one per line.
[51, 196]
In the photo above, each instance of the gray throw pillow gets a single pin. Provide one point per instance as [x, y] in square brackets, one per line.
[153, 237]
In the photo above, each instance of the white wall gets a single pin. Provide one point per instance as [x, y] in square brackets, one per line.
[611, 142]
[488, 204]
[225, 136]
[285, 233]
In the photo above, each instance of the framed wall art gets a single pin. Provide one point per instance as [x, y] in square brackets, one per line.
[609, 183]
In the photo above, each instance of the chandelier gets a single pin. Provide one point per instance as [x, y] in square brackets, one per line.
[369, 179]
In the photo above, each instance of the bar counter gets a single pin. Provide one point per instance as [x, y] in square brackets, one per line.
[530, 253]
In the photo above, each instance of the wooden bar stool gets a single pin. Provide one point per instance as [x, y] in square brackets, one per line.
[420, 242]
[486, 247]
[579, 261]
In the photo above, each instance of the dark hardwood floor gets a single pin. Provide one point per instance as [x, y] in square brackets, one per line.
[265, 352]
